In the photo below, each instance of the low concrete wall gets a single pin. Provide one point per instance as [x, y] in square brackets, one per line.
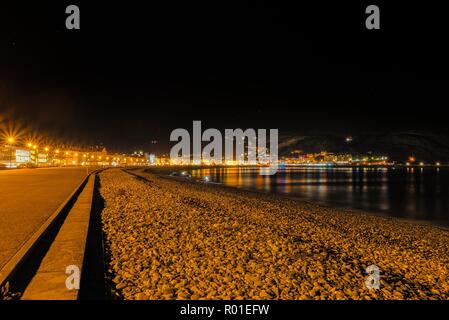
[68, 249]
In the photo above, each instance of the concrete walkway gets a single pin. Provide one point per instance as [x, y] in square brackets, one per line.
[68, 249]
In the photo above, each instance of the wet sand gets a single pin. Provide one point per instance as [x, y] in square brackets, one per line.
[172, 239]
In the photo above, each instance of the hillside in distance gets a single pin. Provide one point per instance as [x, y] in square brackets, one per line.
[398, 146]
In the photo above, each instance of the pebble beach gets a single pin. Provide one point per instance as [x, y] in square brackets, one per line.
[171, 238]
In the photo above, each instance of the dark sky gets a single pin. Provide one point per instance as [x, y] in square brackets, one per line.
[136, 71]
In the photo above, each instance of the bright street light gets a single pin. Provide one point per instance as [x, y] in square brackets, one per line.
[10, 140]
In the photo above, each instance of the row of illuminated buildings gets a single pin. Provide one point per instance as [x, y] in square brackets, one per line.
[31, 156]
[331, 158]
[296, 158]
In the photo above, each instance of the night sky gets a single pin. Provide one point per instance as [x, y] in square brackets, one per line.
[134, 72]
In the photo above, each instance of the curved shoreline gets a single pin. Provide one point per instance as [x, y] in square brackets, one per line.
[380, 214]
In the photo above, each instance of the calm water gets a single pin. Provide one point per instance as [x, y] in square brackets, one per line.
[413, 193]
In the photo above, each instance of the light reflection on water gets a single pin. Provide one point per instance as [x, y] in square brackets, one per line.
[412, 193]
